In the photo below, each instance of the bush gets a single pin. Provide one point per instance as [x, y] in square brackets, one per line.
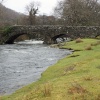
[79, 40]
[88, 47]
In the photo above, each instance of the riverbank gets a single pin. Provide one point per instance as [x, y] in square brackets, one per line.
[76, 77]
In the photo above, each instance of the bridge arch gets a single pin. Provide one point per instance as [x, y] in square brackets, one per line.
[13, 38]
[60, 38]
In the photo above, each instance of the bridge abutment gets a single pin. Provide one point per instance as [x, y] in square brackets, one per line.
[48, 40]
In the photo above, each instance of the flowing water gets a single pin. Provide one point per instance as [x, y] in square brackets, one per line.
[22, 63]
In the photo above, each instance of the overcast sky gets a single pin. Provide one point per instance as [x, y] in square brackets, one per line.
[46, 6]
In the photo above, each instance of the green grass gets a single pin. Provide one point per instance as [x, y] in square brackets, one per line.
[76, 77]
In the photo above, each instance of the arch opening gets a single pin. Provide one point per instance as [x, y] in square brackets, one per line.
[60, 38]
[22, 37]
[13, 38]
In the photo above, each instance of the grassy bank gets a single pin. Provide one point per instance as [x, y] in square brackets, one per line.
[76, 77]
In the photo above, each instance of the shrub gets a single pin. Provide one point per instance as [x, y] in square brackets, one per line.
[88, 47]
[95, 44]
[98, 42]
[79, 40]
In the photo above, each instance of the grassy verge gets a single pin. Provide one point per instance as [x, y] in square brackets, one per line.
[76, 77]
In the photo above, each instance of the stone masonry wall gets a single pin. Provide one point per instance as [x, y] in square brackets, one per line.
[47, 32]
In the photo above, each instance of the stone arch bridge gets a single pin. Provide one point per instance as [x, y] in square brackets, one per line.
[49, 33]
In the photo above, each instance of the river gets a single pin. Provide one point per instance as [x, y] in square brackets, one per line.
[22, 63]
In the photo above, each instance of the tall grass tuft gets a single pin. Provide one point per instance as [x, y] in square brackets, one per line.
[0, 98]
[88, 78]
[47, 89]
[77, 89]
[98, 97]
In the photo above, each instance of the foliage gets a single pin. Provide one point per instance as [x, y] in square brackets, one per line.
[7, 30]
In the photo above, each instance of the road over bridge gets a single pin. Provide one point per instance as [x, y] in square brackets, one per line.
[49, 33]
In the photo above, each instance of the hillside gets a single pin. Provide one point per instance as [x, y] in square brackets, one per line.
[9, 17]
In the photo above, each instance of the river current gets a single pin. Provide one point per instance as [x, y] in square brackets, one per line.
[22, 63]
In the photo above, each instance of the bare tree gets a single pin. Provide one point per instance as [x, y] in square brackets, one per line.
[79, 12]
[32, 10]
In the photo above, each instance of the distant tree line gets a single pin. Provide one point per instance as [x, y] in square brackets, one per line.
[66, 12]
[9, 17]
